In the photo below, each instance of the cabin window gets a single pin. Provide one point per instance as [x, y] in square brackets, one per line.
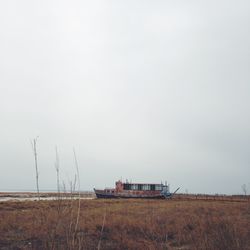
[134, 186]
[127, 186]
[158, 187]
[145, 187]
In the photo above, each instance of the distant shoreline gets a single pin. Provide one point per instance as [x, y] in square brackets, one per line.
[31, 195]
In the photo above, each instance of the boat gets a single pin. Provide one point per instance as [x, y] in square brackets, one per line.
[136, 190]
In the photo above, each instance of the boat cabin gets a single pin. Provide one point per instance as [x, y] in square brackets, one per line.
[138, 187]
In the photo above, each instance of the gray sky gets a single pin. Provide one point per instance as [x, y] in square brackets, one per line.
[144, 90]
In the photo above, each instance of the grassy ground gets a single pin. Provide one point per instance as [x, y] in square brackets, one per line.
[125, 224]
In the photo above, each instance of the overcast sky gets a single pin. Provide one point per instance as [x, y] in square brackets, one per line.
[144, 90]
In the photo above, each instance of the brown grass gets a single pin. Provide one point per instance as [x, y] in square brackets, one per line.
[125, 224]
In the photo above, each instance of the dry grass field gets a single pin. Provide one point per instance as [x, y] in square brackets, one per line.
[125, 224]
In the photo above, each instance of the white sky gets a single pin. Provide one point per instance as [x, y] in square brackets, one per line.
[144, 90]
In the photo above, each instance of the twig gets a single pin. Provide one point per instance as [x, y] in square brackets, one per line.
[79, 194]
[103, 224]
[33, 144]
[57, 171]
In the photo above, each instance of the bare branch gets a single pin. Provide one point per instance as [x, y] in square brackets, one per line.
[57, 170]
[33, 144]
[79, 194]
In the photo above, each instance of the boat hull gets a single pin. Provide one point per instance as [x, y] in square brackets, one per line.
[127, 195]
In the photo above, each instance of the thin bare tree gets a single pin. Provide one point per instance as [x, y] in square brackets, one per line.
[33, 144]
[57, 171]
[79, 195]
[244, 189]
[103, 224]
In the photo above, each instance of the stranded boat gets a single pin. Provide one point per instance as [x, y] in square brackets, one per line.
[135, 190]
